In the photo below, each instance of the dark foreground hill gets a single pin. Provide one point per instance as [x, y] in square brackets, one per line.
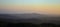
[28, 20]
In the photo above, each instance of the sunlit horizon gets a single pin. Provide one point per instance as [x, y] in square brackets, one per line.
[30, 6]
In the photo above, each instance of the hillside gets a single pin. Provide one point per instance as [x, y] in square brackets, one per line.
[33, 18]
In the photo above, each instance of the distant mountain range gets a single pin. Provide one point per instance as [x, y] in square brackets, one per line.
[34, 18]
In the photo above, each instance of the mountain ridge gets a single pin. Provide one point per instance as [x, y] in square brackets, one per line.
[33, 18]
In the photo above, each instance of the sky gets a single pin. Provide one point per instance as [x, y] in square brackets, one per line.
[30, 6]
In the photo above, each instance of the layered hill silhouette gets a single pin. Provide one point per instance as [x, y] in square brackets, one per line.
[31, 18]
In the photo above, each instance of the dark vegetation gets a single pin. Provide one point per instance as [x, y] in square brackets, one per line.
[27, 25]
[8, 21]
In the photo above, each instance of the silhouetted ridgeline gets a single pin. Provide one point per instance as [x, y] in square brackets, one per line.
[28, 20]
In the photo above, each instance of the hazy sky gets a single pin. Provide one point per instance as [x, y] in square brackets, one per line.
[30, 6]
